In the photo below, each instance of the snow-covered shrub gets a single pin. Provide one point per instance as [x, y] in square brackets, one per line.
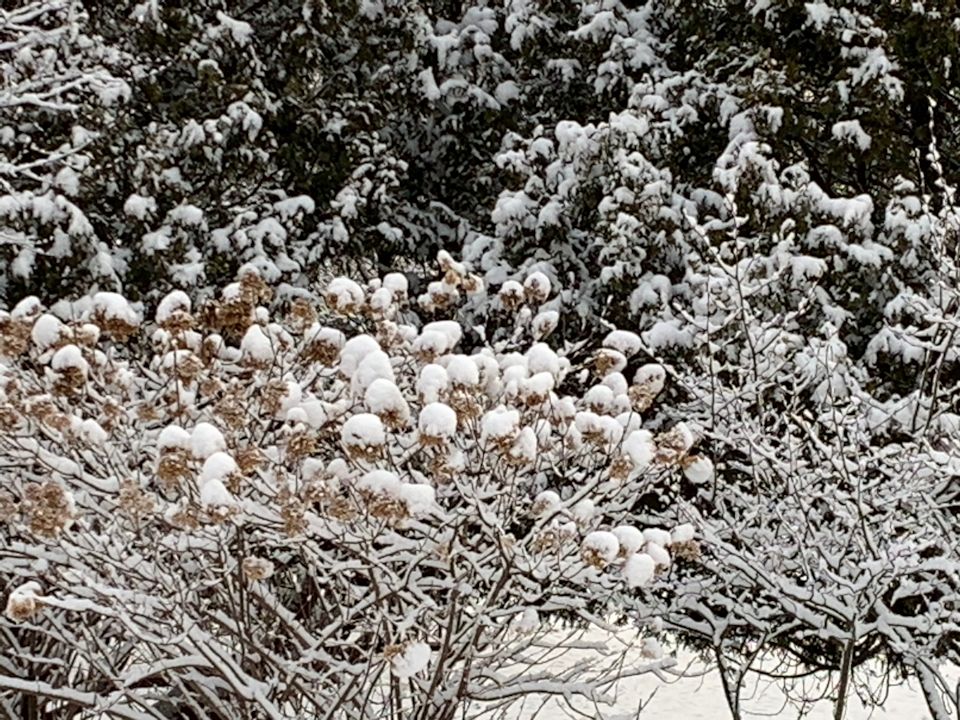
[760, 194]
[843, 566]
[249, 510]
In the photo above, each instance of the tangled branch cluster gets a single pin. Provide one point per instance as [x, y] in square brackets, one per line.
[327, 512]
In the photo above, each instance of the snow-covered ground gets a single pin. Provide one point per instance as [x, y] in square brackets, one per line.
[699, 696]
[702, 699]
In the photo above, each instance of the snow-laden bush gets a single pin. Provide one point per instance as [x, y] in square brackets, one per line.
[225, 511]
[848, 572]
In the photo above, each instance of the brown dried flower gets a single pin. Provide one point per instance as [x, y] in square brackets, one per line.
[252, 287]
[621, 468]
[472, 284]
[300, 444]
[272, 396]
[115, 327]
[178, 321]
[293, 513]
[232, 408]
[24, 602]
[511, 295]
[383, 506]
[673, 445]
[257, 569]
[48, 508]
[14, 336]
[69, 380]
[593, 557]
[184, 518]
[9, 510]
[321, 350]
[134, 502]
[688, 550]
[641, 397]
[10, 419]
[248, 459]
[607, 361]
[302, 315]
[147, 412]
[187, 367]
[547, 539]
[173, 467]
[342, 509]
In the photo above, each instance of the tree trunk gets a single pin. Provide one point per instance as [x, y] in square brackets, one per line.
[846, 672]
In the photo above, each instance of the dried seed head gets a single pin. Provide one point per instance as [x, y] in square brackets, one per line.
[48, 508]
[364, 453]
[40, 408]
[511, 295]
[593, 557]
[641, 397]
[392, 651]
[688, 550]
[211, 386]
[472, 284]
[173, 467]
[115, 327]
[234, 316]
[256, 569]
[10, 418]
[14, 336]
[389, 509]
[9, 509]
[69, 380]
[548, 539]
[232, 408]
[188, 368]
[24, 602]
[342, 510]
[252, 287]
[111, 415]
[465, 404]
[344, 296]
[300, 444]
[388, 335]
[87, 335]
[321, 350]
[249, 459]
[442, 471]
[184, 518]
[293, 513]
[210, 349]
[673, 445]
[448, 264]
[134, 502]
[220, 514]
[536, 288]
[607, 361]
[442, 295]
[272, 396]
[452, 278]
[147, 412]
[302, 315]
[178, 321]
[621, 468]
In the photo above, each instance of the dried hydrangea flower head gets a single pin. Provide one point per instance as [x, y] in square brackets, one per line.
[257, 569]
[48, 508]
[24, 602]
[674, 444]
